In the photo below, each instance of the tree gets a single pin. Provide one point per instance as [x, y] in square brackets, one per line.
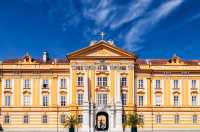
[70, 122]
[134, 120]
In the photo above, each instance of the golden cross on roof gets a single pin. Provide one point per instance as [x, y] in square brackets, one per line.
[102, 34]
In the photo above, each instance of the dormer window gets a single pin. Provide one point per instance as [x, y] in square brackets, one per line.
[175, 59]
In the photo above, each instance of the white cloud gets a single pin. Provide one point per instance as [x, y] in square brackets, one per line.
[135, 34]
[97, 12]
[136, 9]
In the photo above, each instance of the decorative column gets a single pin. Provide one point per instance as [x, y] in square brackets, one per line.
[85, 104]
[68, 90]
[118, 104]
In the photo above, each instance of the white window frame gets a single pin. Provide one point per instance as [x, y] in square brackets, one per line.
[102, 68]
[80, 98]
[8, 83]
[177, 119]
[7, 100]
[124, 98]
[158, 119]
[63, 100]
[140, 83]
[123, 81]
[45, 100]
[27, 100]
[80, 81]
[45, 84]
[44, 119]
[158, 100]
[157, 84]
[194, 119]
[102, 99]
[176, 84]
[27, 84]
[102, 81]
[63, 83]
[193, 83]
[194, 100]
[26, 119]
[7, 119]
[62, 118]
[176, 100]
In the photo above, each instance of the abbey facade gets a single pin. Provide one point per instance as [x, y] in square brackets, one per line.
[100, 84]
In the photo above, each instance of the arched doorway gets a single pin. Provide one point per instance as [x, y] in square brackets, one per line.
[102, 121]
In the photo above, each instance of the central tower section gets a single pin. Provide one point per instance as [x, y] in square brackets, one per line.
[102, 84]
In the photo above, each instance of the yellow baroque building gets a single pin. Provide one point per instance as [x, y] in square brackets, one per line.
[101, 84]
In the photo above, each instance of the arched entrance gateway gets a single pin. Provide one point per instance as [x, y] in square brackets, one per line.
[102, 121]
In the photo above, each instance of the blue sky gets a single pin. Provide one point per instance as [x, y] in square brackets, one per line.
[150, 28]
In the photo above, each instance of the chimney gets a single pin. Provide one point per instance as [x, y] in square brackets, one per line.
[45, 56]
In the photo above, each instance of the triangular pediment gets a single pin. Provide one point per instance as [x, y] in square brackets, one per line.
[103, 50]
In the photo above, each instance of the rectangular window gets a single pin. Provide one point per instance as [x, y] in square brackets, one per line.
[158, 100]
[194, 119]
[80, 99]
[140, 84]
[27, 84]
[44, 119]
[123, 68]
[80, 81]
[63, 83]
[140, 100]
[176, 84]
[79, 68]
[123, 81]
[194, 100]
[102, 68]
[45, 101]
[194, 83]
[124, 99]
[27, 101]
[80, 119]
[8, 83]
[7, 100]
[62, 100]
[62, 119]
[177, 119]
[141, 117]
[45, 84]
[26, 119]
[6, 119]
[102, 99]
[158, 84]
[102, 81]
[176, 100]
[158, 119]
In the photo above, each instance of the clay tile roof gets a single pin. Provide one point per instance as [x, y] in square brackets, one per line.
[40, 61]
